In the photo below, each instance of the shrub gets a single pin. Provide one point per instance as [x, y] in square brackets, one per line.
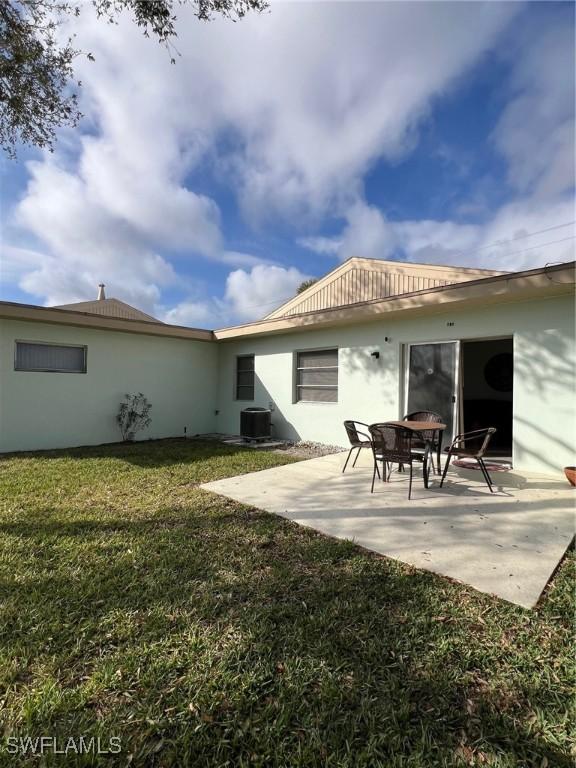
[133, 415]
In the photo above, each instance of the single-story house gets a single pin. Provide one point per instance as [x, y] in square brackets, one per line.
[370, 341]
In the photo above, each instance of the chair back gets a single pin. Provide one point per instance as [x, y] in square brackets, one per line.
[391, 442]
[356, 436]
[424, 416]
[480, 438]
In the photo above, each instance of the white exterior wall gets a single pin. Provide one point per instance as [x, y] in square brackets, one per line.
[57, 410]
[186, 381]
[544, 408]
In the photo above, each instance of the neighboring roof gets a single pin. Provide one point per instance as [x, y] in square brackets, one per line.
[549, 281]
[359, 279]
[109, 308]
[58, 316]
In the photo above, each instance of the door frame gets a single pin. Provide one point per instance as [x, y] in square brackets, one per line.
[458, 414]
[456, 406]
[493, 337]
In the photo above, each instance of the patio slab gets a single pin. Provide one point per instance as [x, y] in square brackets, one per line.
[507, 543]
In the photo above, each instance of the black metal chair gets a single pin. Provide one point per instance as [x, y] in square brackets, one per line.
[430, 435]
[472, 445]
[391, 444]
[358, 439]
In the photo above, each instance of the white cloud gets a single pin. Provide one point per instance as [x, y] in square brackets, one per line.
[511, 226]
[239, 259]
[258, 292]
[535, 135]
[305, 126]
[505, 242]
[367, 233]
[248, 296]
[84, 245]
[324, 245]
[16, 262]
[311, 124]
[196, 314]
[536, 130]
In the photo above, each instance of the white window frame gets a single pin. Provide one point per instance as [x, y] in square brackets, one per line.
[244, 399]
[83, 347]
[296, 368]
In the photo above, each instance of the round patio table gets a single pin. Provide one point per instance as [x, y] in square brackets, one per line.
[418, 428]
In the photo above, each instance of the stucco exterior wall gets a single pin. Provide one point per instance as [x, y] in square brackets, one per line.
[544, 408]
[53, 410]
[188, 381]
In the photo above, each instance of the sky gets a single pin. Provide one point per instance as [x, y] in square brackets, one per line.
[204, 192]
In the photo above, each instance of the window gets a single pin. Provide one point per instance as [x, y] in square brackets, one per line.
[317, 376]
[245, 377]
[40, 356]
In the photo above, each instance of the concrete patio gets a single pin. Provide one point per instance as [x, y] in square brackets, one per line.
[507, 543]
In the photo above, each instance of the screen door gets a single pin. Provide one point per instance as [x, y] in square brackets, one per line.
[432, 381]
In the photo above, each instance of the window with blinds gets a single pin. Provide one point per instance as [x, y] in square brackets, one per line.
[40, 356]
[317, 376]
[245, 377]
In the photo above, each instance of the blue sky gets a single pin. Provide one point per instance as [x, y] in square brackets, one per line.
[276, 148]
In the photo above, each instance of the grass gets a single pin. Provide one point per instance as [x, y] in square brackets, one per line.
[201, 632]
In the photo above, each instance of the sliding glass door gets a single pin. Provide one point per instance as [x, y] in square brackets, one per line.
[432, 380]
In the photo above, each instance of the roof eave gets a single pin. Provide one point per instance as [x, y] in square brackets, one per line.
[55, 316]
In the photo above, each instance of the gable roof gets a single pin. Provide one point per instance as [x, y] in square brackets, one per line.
[544, 282]
[109, 308]
[358, 280]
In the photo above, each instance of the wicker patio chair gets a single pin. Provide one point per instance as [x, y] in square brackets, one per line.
[391, 444]
[472, 445]
[358, 439]
[432, 435]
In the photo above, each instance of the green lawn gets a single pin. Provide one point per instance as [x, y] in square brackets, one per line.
[205, 633]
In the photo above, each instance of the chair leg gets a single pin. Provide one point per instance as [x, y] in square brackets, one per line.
[347, 459]
[485, 473]
[356, 458]
[377, 470]
[445, 468]
[425, 467]
[479, 462]
[439, 456]
[410, 483]
[374, 474]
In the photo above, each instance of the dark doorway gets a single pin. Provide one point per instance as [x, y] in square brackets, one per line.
[487, 390]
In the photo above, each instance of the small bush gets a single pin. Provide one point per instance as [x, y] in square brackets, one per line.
[133, 415]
